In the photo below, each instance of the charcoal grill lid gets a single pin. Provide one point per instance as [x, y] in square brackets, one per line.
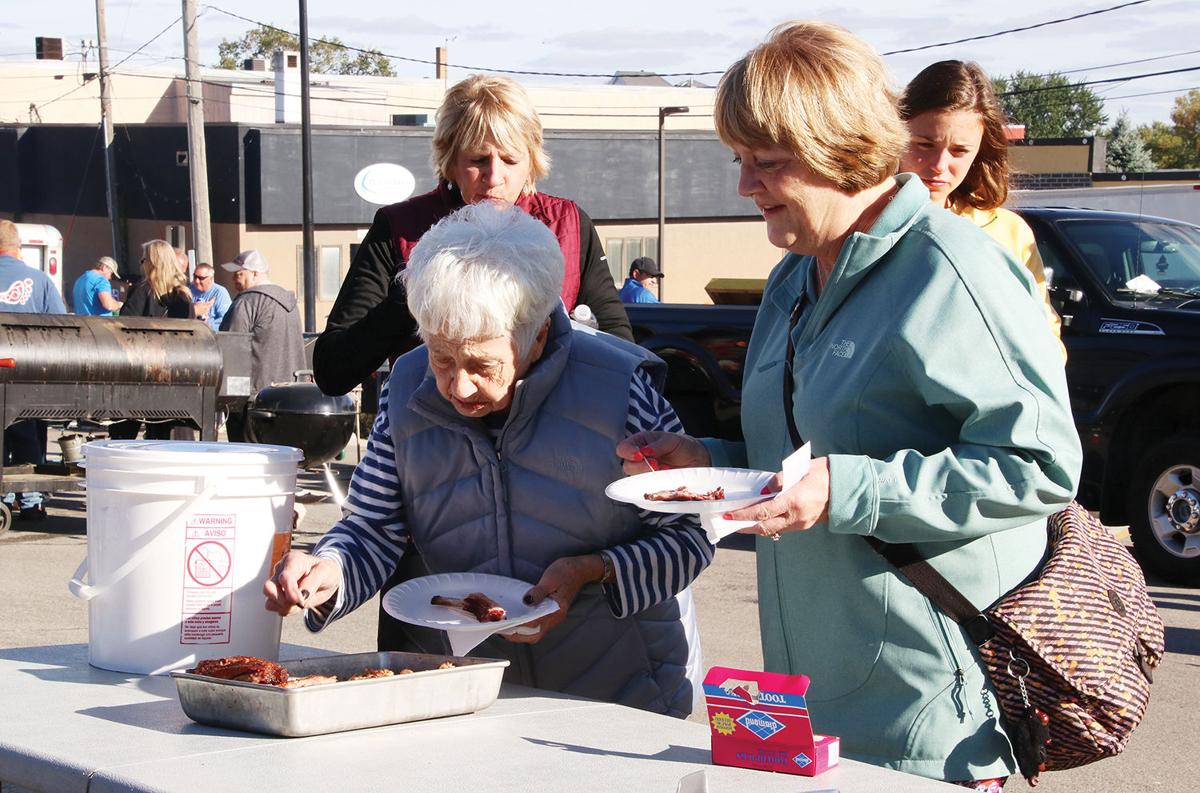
[303, 399]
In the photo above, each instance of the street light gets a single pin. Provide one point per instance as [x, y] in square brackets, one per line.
[663, 112]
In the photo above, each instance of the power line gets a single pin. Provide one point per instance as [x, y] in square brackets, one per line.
[1127, 78]
[658, 74]
[1020, 29]
[1126, 63]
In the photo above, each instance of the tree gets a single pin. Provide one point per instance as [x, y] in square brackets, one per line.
[1126, 152]
[1177, 145]
[1050, 106]
[327, 56]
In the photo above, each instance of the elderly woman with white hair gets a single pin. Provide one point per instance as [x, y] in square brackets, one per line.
[490, 454]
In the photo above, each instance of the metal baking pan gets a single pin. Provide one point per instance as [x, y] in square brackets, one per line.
[473, 684]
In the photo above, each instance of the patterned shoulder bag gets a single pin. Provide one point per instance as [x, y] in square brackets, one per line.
[1071, 652]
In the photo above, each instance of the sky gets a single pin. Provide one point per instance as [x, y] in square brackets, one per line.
[669, 36]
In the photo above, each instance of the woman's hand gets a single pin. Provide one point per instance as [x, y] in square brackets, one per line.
[561, 582]
[794, 509]
[301, 581]
[645, 451]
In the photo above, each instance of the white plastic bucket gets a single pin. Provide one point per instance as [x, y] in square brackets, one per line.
[181, 537]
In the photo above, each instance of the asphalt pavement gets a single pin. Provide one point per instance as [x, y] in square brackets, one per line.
[38, 558]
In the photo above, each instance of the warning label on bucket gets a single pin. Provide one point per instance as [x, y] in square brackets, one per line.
[207, 584]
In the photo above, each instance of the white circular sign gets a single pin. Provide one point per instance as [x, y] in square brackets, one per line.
[384, 183]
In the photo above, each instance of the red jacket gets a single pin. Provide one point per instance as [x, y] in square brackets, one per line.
[409, 220]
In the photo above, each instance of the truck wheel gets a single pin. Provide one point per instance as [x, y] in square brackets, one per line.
[1164, 509]
[6, 517]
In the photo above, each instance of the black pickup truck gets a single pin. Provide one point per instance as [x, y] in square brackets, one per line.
[1128, 290]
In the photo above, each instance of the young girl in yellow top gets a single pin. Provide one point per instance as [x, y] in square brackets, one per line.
[958, 149]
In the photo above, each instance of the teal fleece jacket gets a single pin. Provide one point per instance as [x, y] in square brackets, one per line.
[926, 372]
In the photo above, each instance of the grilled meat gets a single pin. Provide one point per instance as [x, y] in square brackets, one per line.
[685, 494]
[245, 668]
[477, 604]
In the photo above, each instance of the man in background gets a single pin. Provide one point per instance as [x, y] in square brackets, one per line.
[271, 314]
[92, 294]
[212, 300]
[28, 291]
[642, 280]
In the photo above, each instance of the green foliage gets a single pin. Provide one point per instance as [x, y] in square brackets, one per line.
[1163, 144]
[1050, 106]
[1126, 152]
[1176, 145]
[326, 56]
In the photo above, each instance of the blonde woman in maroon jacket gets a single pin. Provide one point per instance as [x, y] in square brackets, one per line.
[487, 145]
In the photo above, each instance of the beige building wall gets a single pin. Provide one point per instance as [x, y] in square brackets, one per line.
[699, 251]
[1051, 159]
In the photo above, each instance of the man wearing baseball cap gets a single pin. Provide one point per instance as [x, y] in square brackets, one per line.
[643, 278]
[271, 314]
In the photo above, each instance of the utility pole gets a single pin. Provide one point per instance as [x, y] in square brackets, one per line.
[197, 153]
[663, 112]
[310, 266]
[106, 132]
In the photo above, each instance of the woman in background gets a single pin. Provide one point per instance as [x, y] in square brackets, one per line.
[163, 292]
[487, 145]
[958, 148]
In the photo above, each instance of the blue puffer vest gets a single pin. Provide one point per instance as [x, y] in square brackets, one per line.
[536, 494]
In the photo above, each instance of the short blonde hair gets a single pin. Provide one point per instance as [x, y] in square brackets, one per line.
[483, 105]
[820, 92]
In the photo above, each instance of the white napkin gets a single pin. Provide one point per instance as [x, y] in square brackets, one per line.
[795, 466]
[464, 640]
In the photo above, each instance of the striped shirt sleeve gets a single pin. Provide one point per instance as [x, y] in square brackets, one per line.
[675, 550]
[369, 540]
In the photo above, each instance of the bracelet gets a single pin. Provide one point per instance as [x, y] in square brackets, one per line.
[610, 570]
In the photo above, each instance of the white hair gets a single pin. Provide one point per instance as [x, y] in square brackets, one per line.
[486, 271]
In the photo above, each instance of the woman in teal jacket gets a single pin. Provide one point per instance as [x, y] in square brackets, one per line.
[926, 381]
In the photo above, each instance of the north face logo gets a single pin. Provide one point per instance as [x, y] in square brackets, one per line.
[761, 724]
[843, 348]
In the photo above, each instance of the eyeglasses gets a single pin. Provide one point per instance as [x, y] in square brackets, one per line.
[202, 277]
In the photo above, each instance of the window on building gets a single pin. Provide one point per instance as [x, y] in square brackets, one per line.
[621, 252]
[329, 271]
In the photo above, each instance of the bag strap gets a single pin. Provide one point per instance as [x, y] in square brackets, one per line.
[933, 585]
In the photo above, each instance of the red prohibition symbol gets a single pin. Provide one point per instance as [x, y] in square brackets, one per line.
[209, 563]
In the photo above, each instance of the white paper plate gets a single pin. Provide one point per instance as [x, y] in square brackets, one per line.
[743, 487]
[409, 602]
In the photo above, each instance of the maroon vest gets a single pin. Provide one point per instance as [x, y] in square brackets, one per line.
[410, 219]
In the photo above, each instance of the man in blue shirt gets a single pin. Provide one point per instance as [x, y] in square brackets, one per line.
[643, 278]
[26, 290]
[92, 294]
[212, 300]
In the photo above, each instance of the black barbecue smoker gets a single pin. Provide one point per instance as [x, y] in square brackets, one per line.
[65, 367]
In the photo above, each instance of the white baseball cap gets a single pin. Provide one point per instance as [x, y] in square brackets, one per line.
[247, 260]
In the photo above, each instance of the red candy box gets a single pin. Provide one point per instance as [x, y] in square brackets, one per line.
[760, 720]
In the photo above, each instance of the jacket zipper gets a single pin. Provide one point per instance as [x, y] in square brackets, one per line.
[957, 691]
